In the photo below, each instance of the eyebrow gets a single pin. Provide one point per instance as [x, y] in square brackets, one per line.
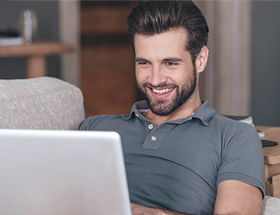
[138, 59]
[173, 59]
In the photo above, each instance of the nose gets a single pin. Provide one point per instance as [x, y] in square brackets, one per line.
[157, 76]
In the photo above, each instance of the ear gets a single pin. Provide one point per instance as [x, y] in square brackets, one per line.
[201, 59]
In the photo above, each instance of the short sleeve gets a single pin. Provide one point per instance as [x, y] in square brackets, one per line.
[88, 124]
[242, 157]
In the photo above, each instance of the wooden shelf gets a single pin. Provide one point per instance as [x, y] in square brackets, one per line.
[35, 49]
[35, 53]
[106, 58]
[271, 154]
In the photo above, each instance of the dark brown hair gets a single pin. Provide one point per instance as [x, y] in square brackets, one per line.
[155, 17]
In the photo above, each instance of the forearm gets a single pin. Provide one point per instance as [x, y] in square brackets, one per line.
[141, 210]
[167, 212]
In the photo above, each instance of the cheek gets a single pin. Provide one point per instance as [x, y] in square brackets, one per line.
[140, 75]
[182, 77]
[179, 76]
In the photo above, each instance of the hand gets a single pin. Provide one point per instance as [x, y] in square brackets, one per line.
[141, 210]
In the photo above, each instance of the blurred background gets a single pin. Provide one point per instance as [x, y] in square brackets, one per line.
[242, 76]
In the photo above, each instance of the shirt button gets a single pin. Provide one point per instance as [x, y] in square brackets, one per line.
[136, 115]
[153, 138]
[150, 126]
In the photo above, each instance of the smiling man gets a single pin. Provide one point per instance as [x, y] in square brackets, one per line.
[181, 156]
[166, 75]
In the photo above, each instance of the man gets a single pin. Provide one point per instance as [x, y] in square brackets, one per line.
[181, 157]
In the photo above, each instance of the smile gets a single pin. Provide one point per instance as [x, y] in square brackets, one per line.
[162, 91]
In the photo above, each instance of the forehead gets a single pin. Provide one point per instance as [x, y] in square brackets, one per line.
[172, 42]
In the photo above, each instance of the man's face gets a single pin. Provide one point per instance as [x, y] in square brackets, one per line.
[164, 70]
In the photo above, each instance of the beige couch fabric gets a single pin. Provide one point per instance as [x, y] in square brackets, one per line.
[40, 103]
[271, 206]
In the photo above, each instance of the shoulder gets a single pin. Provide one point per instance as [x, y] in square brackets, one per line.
[96, 122]
[233, 127]
[235, 134]
[239, 137]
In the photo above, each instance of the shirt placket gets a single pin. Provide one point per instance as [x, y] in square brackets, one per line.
[155, 136]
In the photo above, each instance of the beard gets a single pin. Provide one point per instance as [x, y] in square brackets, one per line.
[164, 107]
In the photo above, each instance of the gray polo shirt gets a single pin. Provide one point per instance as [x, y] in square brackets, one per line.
[178, 164]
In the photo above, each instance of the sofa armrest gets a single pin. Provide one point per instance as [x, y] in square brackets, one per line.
[271, 206]
[40, 103]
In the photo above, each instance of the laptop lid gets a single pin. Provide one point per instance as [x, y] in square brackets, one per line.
[62, 173]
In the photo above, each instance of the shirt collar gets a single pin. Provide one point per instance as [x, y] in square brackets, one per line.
[136, 109]
[203, 113]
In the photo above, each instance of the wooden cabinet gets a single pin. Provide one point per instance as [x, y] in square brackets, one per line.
[271, 161]
[107, 61]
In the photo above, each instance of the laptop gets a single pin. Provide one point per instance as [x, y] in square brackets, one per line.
[45, 172]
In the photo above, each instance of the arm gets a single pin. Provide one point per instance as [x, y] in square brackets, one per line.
[233, 198]
[141, 210]
[238, 198]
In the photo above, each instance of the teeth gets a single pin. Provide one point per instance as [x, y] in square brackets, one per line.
[162, 91]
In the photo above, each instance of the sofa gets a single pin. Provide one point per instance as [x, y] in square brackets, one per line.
[50, 103]
[40, 103]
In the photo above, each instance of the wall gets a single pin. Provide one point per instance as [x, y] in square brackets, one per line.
[47, 15]
[225, 83]
[265, 92]
[69, 32]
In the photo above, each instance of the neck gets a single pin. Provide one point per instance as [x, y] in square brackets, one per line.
[183, 111]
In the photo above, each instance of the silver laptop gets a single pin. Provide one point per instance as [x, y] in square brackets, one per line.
[62, 173]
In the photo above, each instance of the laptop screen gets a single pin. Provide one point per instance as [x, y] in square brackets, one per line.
[62, 172]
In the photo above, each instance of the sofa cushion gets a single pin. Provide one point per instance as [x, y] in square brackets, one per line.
[40, 103]
[271, 206]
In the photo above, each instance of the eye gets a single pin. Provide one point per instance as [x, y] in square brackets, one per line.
[143, 63]
[170, 63]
